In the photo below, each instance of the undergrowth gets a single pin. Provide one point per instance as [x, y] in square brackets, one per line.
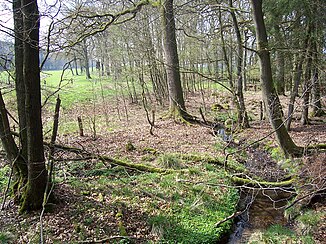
[182, 207]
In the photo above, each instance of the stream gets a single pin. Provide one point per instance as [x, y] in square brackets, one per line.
[262, 207]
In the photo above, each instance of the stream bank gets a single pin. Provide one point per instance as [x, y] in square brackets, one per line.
[267, 217]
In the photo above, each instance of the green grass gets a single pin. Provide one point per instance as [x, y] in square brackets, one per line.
[180, 207]
[75, 90]
[306, 223]
[6, 237]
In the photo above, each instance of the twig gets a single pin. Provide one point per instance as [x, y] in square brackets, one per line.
[108, 239]
[8, 185]
[320, 191]
[232, 216]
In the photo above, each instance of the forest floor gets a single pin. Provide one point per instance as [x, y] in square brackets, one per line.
[89, 208]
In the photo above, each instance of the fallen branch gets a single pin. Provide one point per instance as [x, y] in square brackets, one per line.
[243, 181]
[232, 216]
[141, 167]
[104, 240]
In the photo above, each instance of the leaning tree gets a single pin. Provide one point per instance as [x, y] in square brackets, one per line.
[270, 96]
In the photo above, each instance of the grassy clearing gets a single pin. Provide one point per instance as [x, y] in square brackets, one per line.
[74, 90]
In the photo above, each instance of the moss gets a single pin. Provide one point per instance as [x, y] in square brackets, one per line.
[243, 181]
[149, 150]
[130, 146]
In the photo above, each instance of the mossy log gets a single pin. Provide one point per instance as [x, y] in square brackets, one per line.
[318, 146]
[256, 183]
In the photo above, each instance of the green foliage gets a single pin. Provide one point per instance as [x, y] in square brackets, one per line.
[170, 161]
[308, 221]
[6, 237]
[193, 219]
[179, 206]
[276, 234]
[4, 174]
[130, 146]
[275, 151]
[310, 218]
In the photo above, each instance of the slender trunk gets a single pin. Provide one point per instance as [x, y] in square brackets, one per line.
[294, 93]
[270, 96]
[306, 89]
[316, 98]
[13, 155]
[86, 60]
[76, 64]
[279, 74]
[225, 55]
[242, 114]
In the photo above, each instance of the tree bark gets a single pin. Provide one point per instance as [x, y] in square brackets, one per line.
[176, 99]
[317, 109]
[37, 173]
[270, 96]
[279, 74]
[297, 73]
[19, 74]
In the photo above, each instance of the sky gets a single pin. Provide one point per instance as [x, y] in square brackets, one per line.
[6, 17]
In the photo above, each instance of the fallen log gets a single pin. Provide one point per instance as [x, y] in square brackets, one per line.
[255, 183]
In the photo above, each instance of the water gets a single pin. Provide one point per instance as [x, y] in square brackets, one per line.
[224, 135]
[264, 208]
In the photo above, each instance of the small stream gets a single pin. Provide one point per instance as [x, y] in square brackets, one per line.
[264, 208]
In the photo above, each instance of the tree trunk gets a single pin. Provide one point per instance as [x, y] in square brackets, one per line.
[86, 60]
[297, 73]
[307, 88]
[19, 75]
[242, 114]
[270, 96]
[76, 64]
[176, 101]
[13, 155]
[316, 98]
[279, 74]
[37, 173]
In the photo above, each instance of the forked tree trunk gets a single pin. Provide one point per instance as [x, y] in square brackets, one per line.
[270, 96]
[176, 100]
